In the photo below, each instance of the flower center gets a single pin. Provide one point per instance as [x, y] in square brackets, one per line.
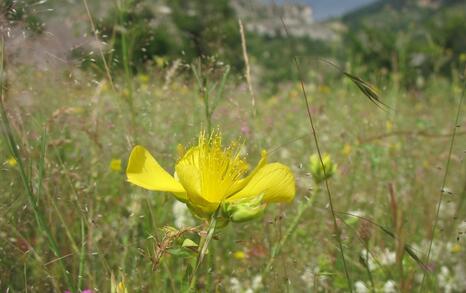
[219, 168]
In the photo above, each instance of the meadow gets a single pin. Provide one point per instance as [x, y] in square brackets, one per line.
[70, 220]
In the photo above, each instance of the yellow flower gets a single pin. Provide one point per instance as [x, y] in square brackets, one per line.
[115, 165]
[143, 78]
[239, 255]
[208, 175]
[389, 126]
[160, 61]
[346, 151]
[12, 162]
[319, 173]
[115, 287]
[456, 248]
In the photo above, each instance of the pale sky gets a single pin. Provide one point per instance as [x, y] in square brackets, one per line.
[327, 8]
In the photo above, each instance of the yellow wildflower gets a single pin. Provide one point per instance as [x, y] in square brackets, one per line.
[115, 165]
[318, 173]
[160, 61]
[389, 126]
[346, 151]
[12, 162]
[394, 147]
[208, 175]
[239, 255]
[143, 78]
[324, 89]
[456, 248]
[121, 288]
[463, 57]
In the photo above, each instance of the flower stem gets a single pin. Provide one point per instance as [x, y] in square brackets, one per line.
[203, 248]
[289, 232]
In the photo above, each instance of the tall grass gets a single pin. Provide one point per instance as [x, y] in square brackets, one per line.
[101, 230]
[456, 125]
[27, 177]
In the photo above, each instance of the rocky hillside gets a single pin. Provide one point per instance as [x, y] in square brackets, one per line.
[264, 18]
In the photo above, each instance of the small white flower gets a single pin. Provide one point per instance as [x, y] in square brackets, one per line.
[447, 209]
[368, 259]
[387, 257]
[235, 285]
[360, 287]
[460, 280]
[257, 282]
[308, 278]
[182, 215]
[389, 287]
[357, 213]
[313, 278]
[446, 280]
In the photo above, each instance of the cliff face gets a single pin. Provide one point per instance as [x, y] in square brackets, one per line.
[264, 18]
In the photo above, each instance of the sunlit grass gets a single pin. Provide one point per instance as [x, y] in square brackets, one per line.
[104, 226]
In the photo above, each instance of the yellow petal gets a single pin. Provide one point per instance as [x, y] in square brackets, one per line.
[274, 181]
[144, 171]
[240, 184]
[190, 178]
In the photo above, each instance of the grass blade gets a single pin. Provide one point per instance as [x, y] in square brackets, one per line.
[444, 181]
[316, 142]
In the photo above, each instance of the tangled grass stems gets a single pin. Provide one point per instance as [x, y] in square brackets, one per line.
[289, 232]
[319, 152]
[101, 52]
[207, 89]
[444, 180]
[203, 248]
[26, 178]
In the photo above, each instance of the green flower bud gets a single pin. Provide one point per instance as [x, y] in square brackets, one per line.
[317, 171]
[244, 210]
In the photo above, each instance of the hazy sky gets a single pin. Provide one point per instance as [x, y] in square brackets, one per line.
[327, 8]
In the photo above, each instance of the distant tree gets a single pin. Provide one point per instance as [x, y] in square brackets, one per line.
[134, 34]
[208, 28]
[418, 44]
[190, 30]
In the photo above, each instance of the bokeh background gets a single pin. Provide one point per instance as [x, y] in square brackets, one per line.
[84, 81]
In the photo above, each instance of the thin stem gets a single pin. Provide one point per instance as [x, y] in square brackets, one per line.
[82, 254]
[248, 68]
[316, 141]
[445, 175]
[208, 113]
[203, 247]
[26, 180]
[101, 52]
[289, 232]
[369, 273]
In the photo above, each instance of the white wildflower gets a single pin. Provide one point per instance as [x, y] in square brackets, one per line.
[389, 287]
[256, 282]
[357, 213]
[460, 280]
[182, 215]
[235, 285]
[313, 278]
[368, 259]
[387, 257]
[360, 287]
[308, 278]
[446, 280]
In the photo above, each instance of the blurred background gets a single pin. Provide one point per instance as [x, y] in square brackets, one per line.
[413, 39]
[84, 81]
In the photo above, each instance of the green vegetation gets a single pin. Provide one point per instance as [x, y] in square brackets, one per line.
[69, 220]
[415, 43]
